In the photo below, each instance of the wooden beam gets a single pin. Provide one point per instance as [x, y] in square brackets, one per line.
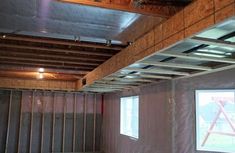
[198, 57]
[156, 71]
[35, 69]
[185, 24]
[214, 42]
[35, 75]
[37, 84]
[58, 50]
[46, 65]
[56, 41]
[158, 11]
[54, 56]
[48, 60]
[175, 65]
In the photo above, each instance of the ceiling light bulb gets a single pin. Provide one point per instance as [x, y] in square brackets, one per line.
[40, 76]
[41, 70]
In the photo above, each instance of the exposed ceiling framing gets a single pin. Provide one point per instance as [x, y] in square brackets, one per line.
[199, 39]
[160, 9]
[200, 52]
[28, 51]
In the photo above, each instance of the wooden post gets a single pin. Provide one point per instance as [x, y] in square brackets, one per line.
[42, 125]
[84, 122]
[21, 111]
[64, 121]
[94, 123]
[31, 123]
[53, 125]
[8, 122]
[74, 120]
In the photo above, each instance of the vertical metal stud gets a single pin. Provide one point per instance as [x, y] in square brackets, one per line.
[64, 121]
[31, 123]
[53, 125]
[42, 125]
[94, 124]
[74, 120]
[84, 122]
[21, 111]
[8, 122]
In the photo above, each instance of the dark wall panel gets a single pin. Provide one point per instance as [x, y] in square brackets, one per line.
[4, 106]
[14, 122]
[39, 117]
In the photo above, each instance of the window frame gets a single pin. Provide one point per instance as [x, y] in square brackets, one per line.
[196, 110]
[120, 130]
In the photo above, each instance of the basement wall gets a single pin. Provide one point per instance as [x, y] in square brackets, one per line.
[154, 131]
[167, 115]
[48, 121]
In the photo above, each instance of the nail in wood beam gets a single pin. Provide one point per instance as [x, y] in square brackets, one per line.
[21, 111]
[31, 123]
[74, 121]
[8, 122]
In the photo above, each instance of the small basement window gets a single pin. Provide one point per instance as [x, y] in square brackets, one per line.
[129, 116]
[215, 120]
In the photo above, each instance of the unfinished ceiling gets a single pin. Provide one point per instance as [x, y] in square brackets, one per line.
[210, 51]
[69, 40]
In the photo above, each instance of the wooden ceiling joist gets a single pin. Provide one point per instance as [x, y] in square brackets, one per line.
[156, 71]
[47, 65]
[48, 60]
[45, 40]
[34, 75]
[57, 50]
[35, 69]
[42, 55]
[159, 11]
[198, 57]
[214, 42]
[193, 19]
[175, 65]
